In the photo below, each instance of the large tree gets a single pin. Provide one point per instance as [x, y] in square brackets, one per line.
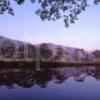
[45, 51]
[53, 9]
[31, 51]
[8, 49]
[59, 53]
[96, 53]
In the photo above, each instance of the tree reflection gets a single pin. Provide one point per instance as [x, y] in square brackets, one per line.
[29, 77]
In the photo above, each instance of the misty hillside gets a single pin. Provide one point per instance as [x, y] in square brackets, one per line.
[12, 50]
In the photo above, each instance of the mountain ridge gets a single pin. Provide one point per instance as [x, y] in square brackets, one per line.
[15, 49]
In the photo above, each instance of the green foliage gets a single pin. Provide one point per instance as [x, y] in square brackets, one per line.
[53, 9]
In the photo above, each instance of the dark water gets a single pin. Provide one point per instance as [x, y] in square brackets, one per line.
[68, 83]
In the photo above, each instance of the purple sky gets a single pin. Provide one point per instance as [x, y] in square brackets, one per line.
[27, 26]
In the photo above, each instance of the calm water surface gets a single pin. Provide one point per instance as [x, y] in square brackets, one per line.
[67, 83]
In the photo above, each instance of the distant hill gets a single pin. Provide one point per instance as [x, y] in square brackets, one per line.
[12, 50]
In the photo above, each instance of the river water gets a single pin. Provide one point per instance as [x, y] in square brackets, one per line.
[61, 83]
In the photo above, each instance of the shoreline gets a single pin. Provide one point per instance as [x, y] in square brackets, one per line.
[25, 64]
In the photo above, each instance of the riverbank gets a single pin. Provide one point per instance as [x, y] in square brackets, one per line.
[25, 64]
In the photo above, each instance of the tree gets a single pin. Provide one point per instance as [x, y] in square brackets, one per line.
[8, 49]
[45, 51]
[31, 51]
[53, 9]
[59, 54]
[96, 53]
[20, 52]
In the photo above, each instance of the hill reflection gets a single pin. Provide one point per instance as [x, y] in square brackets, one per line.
[28, 77]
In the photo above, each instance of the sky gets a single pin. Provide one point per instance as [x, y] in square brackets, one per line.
[28, 27]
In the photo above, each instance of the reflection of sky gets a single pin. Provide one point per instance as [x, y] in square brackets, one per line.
[26, 26]
[69, 90]
[28, 84]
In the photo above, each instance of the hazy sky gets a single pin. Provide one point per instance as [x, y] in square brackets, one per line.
[27, 26]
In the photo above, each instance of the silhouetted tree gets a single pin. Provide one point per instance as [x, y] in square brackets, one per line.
[59, 53]
[53, 9]
[96, 53]
[60, 78]
[31, 51]
[45, 51]
[7, 49]
[20, 52]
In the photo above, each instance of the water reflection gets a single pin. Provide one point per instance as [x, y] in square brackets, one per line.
[28, 77]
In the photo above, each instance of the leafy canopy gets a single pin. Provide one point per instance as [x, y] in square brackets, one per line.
[52, 9]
